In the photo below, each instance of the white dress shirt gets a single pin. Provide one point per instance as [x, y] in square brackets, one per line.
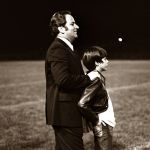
[67, 42]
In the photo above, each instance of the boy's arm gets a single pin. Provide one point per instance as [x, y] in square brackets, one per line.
[83, 103]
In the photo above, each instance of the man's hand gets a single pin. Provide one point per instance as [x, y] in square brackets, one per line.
[93, 75]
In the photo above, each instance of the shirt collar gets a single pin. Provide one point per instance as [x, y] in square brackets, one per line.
[67, 42]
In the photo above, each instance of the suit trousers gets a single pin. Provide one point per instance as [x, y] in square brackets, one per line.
[68, 138]
[104, 142]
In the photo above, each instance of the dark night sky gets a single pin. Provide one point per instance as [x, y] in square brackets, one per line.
[100, 21]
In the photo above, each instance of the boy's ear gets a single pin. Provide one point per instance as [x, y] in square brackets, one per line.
[61, 29]
[96, 63]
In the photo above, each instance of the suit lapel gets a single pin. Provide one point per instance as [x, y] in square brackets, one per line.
[67, 47]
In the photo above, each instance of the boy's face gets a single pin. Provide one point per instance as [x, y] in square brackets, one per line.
[102, 66]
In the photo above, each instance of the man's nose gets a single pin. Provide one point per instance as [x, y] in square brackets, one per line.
[76, 26]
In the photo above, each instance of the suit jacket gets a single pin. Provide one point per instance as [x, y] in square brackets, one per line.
[65, 81]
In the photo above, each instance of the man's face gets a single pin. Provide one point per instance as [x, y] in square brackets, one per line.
[70, 28]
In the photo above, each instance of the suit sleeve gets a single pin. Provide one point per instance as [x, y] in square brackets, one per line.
[60, 69]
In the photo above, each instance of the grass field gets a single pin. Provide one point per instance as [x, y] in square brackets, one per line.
[22, 106]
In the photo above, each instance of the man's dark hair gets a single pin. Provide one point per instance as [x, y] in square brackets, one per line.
[58, 20]
[93, 54]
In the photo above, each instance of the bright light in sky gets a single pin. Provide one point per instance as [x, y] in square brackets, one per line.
[120, 39]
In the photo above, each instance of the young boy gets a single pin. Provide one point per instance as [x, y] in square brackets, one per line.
[95, 103]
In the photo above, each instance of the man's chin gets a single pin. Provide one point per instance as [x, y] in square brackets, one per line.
[76, 36]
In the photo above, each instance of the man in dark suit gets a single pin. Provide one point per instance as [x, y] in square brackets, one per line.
[65, 81]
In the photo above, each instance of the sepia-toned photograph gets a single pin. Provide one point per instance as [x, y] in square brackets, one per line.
[75, 75]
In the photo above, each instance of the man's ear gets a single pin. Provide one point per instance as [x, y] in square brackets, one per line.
[61, 29]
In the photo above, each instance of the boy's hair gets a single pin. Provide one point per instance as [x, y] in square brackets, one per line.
[93, 54]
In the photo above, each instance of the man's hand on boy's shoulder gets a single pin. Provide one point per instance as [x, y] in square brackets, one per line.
[93, 74]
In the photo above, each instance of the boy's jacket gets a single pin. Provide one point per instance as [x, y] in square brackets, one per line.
[94, 100]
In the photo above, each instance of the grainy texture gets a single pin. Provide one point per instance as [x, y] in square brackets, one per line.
[22, 106]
